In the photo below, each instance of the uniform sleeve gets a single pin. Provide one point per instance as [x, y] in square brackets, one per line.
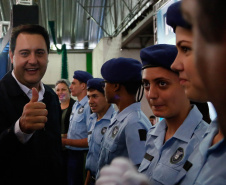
[135, 135]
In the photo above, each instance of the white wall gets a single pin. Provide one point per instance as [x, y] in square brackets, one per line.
[76, 61]
[111, 48]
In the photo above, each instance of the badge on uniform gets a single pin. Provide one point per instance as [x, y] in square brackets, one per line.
[103, 130]
[177, 156]
[115, 131]
[80, 110]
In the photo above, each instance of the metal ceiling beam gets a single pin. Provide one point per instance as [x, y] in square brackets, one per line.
[128, 18]
[130, 10]
[2, 11]
[5, 39]
[140, 26]
[94, 19]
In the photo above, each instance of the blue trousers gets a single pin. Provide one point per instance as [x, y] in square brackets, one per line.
[75, 167]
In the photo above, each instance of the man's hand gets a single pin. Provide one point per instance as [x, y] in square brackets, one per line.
[34, 115]
[121, 172]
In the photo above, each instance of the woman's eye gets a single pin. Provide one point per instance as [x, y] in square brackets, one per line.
[185, 49]
[146, 85]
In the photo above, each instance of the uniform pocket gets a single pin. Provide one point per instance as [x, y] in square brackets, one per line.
[80, 123]
[165, 174]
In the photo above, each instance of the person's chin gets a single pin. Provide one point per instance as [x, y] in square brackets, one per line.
[94, 110]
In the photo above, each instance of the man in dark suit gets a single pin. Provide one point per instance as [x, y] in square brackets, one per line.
[30, 138]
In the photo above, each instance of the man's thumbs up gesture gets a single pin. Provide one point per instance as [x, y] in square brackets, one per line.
[34, 115]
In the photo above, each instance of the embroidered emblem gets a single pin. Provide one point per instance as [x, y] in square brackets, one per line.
[103, 130]
[177, 156]
[115, 131]
[80, 110]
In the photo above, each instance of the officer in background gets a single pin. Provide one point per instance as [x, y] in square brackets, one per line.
[98, 123]
[126, 135]
[76, 140]
[152, 119]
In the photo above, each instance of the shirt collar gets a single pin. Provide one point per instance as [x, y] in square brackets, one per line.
[120, 116]
[213, 127]
[83, 101]
[187, 128]
[108, 115]
[110, 112]
[28, 91]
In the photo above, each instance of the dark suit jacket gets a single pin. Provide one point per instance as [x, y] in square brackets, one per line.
[39, 160]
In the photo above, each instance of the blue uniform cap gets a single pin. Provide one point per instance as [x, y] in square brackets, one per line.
[82, 76]
[121, 70]
[160, 55]
[174, 17]
[96, 83]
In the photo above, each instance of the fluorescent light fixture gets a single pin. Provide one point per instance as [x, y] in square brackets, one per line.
[92, 45]
[79, 46]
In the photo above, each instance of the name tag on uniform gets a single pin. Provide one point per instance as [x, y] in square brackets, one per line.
[148, 157]
[187, 165]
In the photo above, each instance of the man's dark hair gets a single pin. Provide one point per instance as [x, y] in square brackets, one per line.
[152, 116]
[30, 29]
[212, 19]
[204, 109]
[92, 89]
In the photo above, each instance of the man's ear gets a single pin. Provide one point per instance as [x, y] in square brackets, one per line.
[11, 56]
[117, 87]
[83, 85]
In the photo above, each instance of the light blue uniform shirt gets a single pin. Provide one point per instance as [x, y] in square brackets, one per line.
[78, 128]
[163, 161]
[208, 162]
[125, 136]
[95, 136]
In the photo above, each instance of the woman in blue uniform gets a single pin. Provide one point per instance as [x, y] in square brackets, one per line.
[171, 141]
[126, 134]
[206, 163]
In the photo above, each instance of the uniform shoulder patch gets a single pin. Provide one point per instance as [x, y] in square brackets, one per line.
[142, 134]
